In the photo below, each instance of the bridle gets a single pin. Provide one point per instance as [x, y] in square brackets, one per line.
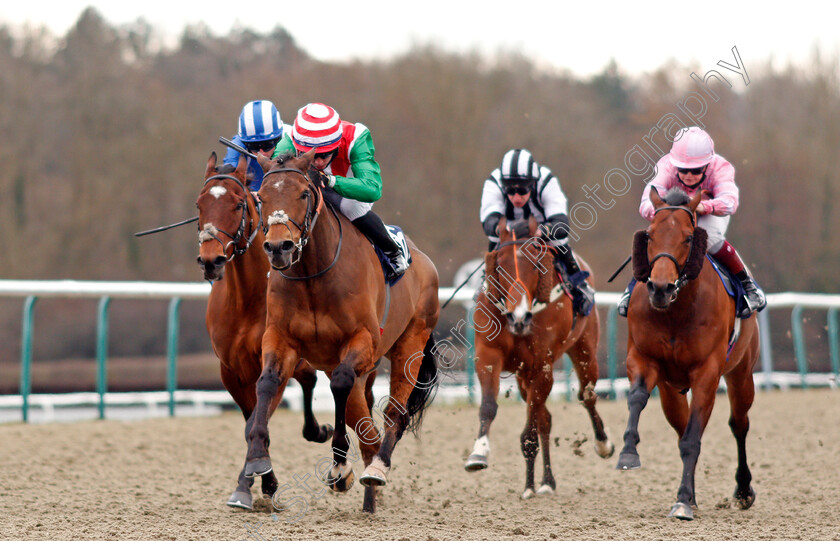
[207, 234]
[313, 211]
[534, 305]
[681, 278]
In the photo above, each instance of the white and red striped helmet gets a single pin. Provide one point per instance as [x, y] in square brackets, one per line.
[693, 148]
[316, 126]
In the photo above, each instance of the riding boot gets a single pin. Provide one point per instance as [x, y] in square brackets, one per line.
[727, 256]
[583, 296]
[373, 228]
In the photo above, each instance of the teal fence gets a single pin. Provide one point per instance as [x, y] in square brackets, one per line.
[31, 291]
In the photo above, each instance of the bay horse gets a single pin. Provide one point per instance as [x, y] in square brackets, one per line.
[328, 303]
[524, 322]
[229, 223]
[679, 332]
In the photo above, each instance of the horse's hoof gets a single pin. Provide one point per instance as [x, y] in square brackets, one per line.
[376, 474]
[528, 494]
[681, 511]
[257, 466]
[628, 461]
[545, 490]
[476, 463]
[605, 449]
[240, 499]
[341, 478]
[744, 501]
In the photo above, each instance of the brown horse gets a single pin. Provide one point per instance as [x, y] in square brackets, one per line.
[328, 303]
[524, 322]
[679, 333]
[229, 222]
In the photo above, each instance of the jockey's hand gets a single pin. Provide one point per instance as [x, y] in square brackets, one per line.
[520, 228]
[319, 177]
[701, 209]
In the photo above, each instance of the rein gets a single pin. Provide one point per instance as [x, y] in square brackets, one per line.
[206, 234]
[306, 227]
[681, 278]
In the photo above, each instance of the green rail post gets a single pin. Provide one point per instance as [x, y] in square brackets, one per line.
[102, 352]
[799, 343]
[834, 342]
[26, 355]
[471, 355]
[612, 354]
[766, 348]
[172, 351]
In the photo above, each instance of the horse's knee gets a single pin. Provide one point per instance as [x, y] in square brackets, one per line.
[738, 426]
[268, 383]
[529, 442]
[638, 395]
[341, 380]
[488, 408]
[689, 446]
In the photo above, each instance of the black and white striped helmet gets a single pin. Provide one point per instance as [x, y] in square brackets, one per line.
[519, 167]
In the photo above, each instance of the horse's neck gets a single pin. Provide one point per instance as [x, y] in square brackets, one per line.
[320, 252]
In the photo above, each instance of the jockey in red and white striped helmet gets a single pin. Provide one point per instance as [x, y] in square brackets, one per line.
[345, 156]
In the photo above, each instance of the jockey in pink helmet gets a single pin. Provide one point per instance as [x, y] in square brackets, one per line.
[692, 165]
[345, 160]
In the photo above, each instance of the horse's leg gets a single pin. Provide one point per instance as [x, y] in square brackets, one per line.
[360, 418]
[355, 357]
[278, 365]
[741, 390]
[488, 369]
[704, 385]
[585, 360]
[413, 378]
[643, 377]
[529, 440]
[312, 431]
[543, 390]
[675, 408]
[245, 397]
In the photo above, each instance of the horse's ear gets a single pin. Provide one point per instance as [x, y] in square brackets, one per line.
[641, 265]
[654, 197]
[265, 163]
[695, 200]
[211, 165]
[502, 227]
[490, 262]
[242, 166]
[532, 226]
[694, 263]
[307, 158]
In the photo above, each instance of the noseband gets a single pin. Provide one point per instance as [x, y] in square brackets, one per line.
[306, 226]
[681, 278]
[205, 234]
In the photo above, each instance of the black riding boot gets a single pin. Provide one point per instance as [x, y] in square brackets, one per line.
[373, 228]
[583, 296]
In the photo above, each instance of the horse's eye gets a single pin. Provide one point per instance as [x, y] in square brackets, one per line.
[240, 205]
[304, 194]
[688, 239]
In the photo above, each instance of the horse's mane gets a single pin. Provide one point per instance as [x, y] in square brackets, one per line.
[676, 197]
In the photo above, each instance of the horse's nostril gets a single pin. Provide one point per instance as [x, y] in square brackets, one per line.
[527, 319]
[220, 260]
[287, 246]
[199, 260]
[267, 247]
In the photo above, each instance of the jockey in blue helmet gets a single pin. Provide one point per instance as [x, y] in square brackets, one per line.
[260, 128]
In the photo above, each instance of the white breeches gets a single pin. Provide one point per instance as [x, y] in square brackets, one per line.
[353, 209]
[715, 226]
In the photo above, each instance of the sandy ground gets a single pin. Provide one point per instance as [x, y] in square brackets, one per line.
[168, 479]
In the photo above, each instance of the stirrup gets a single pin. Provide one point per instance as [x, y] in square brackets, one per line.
[624, 304]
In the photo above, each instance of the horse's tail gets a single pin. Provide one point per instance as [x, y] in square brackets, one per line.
[425, 388]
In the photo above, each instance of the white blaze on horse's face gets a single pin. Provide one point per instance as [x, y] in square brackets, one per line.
[521, 309]
[218, 191]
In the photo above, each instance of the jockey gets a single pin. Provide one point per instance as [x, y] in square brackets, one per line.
[260, 128]
[521, 188]
[693, 165]
[348, 168]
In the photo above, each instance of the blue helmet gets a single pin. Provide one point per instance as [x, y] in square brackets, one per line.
[260, 121]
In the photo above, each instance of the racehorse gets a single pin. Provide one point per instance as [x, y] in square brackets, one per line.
[229, 223]
[328, 302]
[679, 333]
[524, 322]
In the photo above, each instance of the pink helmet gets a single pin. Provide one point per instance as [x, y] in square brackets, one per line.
[693, 148]
[316, 126]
